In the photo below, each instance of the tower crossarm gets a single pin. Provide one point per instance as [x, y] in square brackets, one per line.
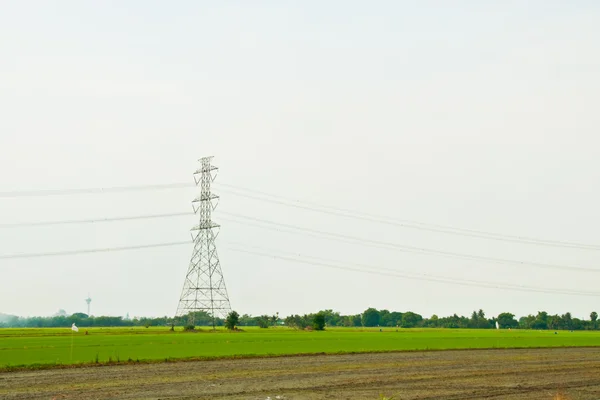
[206, 225]
[204, 170]
[205, 197]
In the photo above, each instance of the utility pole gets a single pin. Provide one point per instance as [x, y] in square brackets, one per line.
[204, 286]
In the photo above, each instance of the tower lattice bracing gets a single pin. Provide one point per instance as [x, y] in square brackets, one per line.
[204, 286]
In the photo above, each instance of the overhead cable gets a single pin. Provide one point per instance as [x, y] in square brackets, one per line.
[399, 247]
[412, 277]
[97, 190]
[410, 224]
[329, 235]
[88, 251]
[93, 220]
[310, 206]
[315, 261]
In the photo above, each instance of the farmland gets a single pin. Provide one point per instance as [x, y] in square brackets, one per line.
[34, 348]
[466, 374]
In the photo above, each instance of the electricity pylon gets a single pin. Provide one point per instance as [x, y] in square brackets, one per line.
[204, 286]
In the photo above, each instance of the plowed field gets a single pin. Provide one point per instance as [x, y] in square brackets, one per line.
[467, 374]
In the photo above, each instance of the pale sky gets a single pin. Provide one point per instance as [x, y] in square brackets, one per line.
[473, 114]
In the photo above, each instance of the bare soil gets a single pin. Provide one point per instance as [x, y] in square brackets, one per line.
[469, 374]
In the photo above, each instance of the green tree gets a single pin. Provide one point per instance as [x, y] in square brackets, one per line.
[297, 321]
[410, 319]
[394, 318]
[474, 321]
[384, 318]
[577, 324]
[507, 320]
[351, 320]
[246, 320]
[474, 316]
[478, 321]
[332, 318]
[526, 322]
[433, 321]
[553, 322]
[541, 321]
[275, 319]
[232, 320]
[567, 321]
[319, 321]
[263, 321]
[370, 317]
[593, 318]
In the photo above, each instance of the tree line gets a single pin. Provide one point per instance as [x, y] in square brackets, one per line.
[371, 317]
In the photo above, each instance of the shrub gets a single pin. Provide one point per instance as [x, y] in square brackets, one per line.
[263, 321]
[319, 321]
[233, 318]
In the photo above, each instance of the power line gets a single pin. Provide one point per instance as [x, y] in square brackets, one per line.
[276, 199]
[94, 220]
[324, 263]
[311, 260]
[429, 278]
[100, 190]
[88, 251]
[395, 270]
[387, 220]
[403, 248]
[319, 233]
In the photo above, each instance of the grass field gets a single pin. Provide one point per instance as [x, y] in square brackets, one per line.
[53, 346]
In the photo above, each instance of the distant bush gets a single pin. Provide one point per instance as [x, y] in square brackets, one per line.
[319, 321]
[232, 320]
[263, 321]
[189, 328]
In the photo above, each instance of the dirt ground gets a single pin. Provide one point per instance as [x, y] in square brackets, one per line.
[479, 374]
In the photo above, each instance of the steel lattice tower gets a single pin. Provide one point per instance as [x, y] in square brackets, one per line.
[204, 287]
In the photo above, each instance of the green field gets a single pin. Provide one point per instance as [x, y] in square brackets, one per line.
[50, 346]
